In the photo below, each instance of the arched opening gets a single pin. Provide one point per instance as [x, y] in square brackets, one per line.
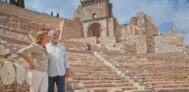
[94, 30]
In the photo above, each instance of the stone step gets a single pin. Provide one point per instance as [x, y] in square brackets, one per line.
[108, 89]
[14, 40]
[89, 72]
[97, 66]
[170, 85]
[13, 30]
[94, 74]
[168, 82]
[107, 85]
[97, 78]
[17, 36]
[100, 81]
[183, 89]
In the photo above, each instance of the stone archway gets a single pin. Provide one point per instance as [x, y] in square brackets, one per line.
[94, 30]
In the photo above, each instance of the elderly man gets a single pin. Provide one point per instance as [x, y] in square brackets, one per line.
[58, 63]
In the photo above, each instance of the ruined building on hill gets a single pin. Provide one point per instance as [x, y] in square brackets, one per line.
[94, 23]
[140, 35]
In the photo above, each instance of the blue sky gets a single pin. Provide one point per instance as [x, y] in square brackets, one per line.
[164, 13]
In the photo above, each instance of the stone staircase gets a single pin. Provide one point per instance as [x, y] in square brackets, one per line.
[141, 86]
[166, 72]
[91, 75]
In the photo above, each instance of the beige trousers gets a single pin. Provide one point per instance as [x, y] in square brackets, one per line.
[38, 81]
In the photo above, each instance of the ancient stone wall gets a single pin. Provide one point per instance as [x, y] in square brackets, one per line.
[136, 26]
[144, 25]
[141, 44]
[150, 44]
[140, 25]
[150, 26]
[151, 30]
[10, 79]
[15, 87]
[117, 32]
[169, 43]
[127, 34]
[29, 15]
[186, 51]
[72, 29]
[111, 27]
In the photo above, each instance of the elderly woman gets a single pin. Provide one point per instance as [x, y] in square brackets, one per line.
[37, 58]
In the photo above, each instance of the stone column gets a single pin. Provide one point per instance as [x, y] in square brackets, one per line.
[61, 29]
[85, 30]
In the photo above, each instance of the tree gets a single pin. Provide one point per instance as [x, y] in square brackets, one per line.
[57, 15]
[51, 13]
[6, 1]
[20, 3]
[17, 3]
[12, 2]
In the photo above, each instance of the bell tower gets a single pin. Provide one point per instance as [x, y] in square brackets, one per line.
[95, 15]
[95, 9]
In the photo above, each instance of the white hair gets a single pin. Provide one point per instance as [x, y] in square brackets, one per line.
[52, 31]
